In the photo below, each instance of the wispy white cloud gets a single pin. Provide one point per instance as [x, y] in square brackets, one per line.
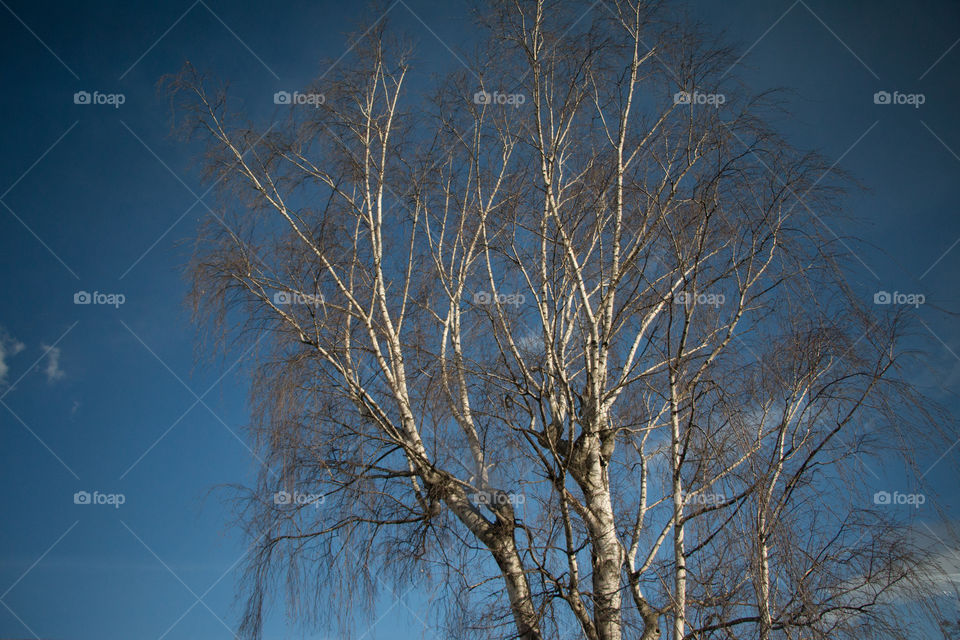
[9, 346]
[53, 370]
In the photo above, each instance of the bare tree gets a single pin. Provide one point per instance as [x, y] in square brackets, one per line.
[571, 341]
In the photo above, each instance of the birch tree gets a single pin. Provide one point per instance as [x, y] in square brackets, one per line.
[567, 339]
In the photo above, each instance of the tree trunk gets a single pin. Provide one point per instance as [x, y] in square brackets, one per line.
[518, 590]
[607, 553]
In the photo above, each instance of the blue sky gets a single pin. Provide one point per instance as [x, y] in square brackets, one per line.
[98, 198]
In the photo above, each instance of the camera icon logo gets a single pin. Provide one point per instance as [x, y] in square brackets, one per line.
[81, 497]
[682, 97]
[881, 497]
[81, 97]
[482, 297]
[82, 297]
[282, 497]
[282, 97]
[881, 97]
[683, 297]
[282, 297]
[882, 297]
[482, 97]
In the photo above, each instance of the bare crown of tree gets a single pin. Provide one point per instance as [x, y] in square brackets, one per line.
[568, 341]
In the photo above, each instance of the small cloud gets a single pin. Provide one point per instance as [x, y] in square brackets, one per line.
[53, 370]
[9, 346]
[531, 341]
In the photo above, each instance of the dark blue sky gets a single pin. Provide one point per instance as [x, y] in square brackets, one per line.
[101, 199]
